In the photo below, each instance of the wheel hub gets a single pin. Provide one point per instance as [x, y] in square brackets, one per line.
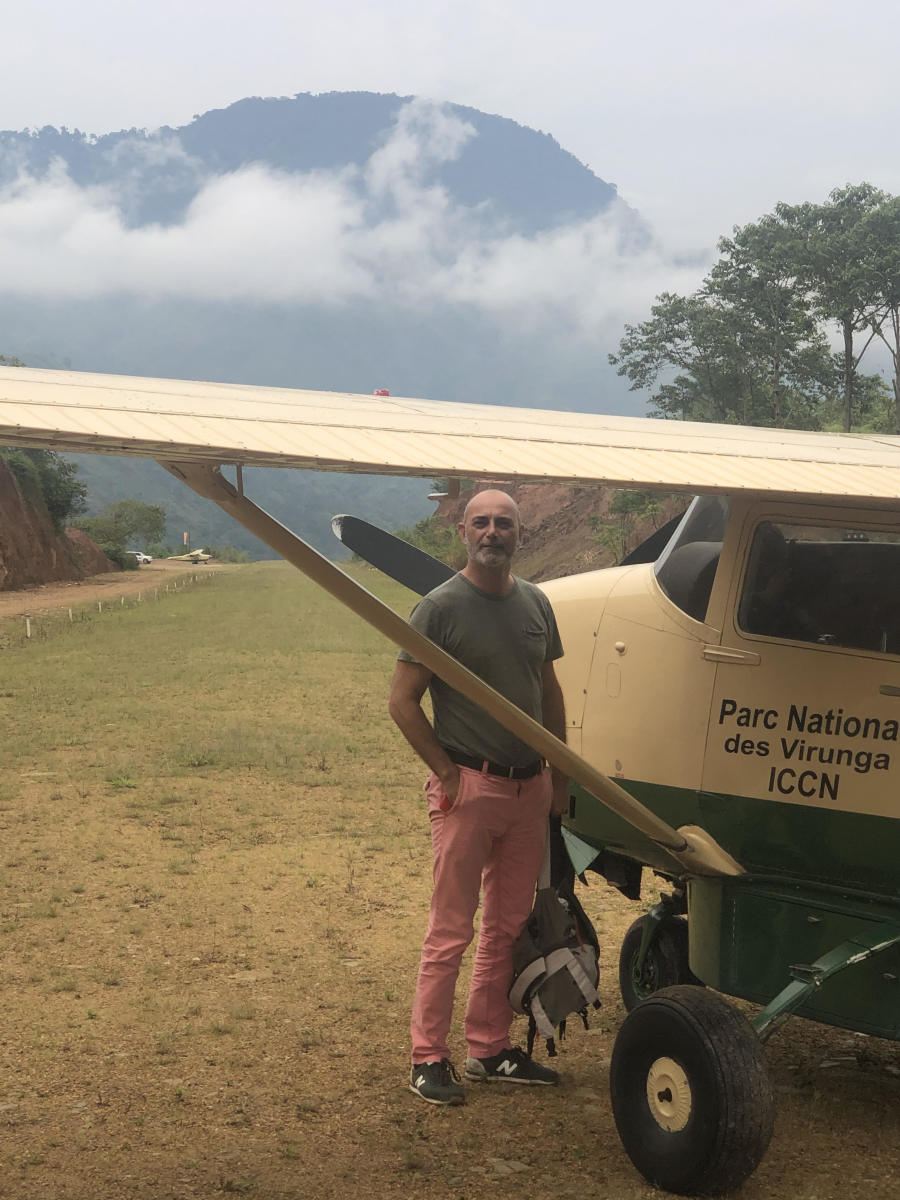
[669, 1095]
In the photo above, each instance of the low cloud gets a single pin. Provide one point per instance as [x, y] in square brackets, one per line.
[384, 232]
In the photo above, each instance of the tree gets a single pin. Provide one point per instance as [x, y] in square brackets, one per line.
[749, 346]
[743, 351]
[697, 339]
[880, 233]
[439, 540]
[626, 509]
[124, 521]
[226, 554]
[836, 267]
[789, 366]
[46, 478]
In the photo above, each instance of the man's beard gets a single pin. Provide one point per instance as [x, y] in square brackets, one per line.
[492, 556]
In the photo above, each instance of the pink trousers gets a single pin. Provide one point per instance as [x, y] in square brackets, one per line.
[493, 836]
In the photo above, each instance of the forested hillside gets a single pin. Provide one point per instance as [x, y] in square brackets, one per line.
[515, 175]
[346, 242]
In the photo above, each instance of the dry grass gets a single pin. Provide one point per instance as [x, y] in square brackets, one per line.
[213, 886]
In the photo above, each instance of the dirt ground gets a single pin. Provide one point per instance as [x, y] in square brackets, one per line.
[51, 597]
[206, 974]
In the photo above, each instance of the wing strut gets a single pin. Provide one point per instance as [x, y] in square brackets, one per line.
[690, 846]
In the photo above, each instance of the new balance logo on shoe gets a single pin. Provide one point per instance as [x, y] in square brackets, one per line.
[509, 1066]
[436, 1082]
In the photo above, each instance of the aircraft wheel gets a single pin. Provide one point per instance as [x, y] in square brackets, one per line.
[666, 963]
[690, 1094]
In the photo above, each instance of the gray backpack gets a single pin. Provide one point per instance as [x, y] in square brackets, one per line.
[555, 969]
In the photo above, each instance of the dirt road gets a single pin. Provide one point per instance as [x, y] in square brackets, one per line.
[53, 596]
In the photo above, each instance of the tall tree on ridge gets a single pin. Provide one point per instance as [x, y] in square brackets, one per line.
[836, 267]
[880, 231]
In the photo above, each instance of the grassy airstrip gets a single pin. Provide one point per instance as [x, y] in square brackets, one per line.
[213, 885]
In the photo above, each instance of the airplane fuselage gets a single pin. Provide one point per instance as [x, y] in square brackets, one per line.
[764, 709]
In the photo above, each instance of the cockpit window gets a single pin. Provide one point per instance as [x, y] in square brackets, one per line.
[824, 585]
[686, 568]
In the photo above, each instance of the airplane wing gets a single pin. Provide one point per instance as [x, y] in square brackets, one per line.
[220, 423]
[195, 428]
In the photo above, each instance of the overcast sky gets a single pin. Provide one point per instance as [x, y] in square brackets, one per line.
[703, 113]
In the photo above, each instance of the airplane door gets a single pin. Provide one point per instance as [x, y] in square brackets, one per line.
[803, 756]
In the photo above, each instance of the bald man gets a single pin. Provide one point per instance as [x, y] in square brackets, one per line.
[489, 796]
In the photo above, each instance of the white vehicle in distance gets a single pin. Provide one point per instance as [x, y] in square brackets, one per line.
[140, 556]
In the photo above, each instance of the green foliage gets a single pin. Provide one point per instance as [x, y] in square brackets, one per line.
[444, 483]
[229, 554]
[642, 505]
[439, 540]
[45, 479]
[750, 346]
[627, 510]
[880, 229]
[837, 270]
[303, 500]
[25, 472]
[119, 555]
[125, 521]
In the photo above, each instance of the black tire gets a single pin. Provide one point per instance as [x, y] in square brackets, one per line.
[690, 1094]
[666, 964]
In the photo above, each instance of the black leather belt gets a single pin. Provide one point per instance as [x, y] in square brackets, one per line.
[492, 768]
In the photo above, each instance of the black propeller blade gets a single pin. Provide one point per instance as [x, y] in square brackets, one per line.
[408, 565]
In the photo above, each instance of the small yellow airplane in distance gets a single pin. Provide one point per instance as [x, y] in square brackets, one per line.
[192, 556]
[733, 702]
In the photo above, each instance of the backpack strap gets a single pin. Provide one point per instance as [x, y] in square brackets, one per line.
[543, 880]
[523, 982]
[582, 979]
[544, 1025]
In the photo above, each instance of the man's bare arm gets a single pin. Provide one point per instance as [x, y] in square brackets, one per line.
[405, 706]
[553, 708]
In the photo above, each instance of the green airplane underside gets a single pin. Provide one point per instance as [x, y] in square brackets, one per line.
[820, 883]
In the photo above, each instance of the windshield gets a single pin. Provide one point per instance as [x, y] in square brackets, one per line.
[686, 568]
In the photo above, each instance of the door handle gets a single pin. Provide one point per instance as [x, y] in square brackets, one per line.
[729, 654]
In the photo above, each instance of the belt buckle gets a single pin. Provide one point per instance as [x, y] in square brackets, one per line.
[511, 773]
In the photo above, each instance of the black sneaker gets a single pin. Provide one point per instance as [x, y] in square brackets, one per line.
[509, 1066]
[437, 1082]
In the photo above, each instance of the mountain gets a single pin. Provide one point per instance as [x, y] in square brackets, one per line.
[346, 241]
[525, 178]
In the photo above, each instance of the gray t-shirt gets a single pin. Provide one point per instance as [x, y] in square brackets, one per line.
[505, 640]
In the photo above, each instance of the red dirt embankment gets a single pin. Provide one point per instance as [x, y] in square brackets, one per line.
[32, 552]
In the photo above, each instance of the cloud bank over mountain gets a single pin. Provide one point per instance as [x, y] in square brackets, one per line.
[385, 231]
[342, 242]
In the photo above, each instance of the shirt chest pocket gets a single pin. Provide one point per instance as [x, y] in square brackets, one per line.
[534, 643]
